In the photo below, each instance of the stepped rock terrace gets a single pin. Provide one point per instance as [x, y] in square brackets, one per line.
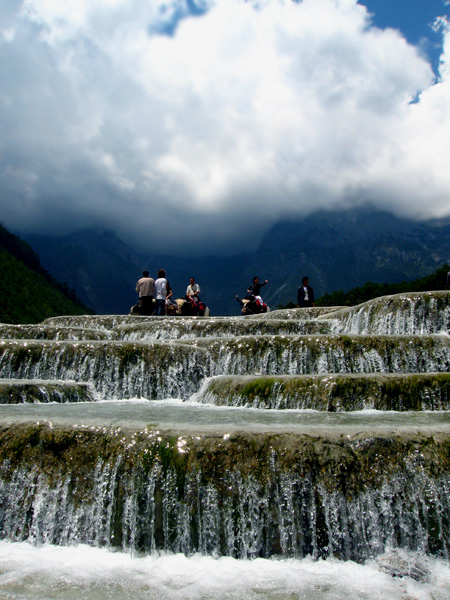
[176, 368]
[331, 392]
[321, 432]
[242, 495]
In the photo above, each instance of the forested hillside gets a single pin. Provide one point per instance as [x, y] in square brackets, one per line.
[27, 293]
[370, 290]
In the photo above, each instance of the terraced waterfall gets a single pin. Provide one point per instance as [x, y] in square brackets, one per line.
[317, 435]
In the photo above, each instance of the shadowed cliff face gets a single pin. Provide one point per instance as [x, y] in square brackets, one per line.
[320, 477]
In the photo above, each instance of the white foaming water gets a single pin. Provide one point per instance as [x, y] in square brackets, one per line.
[86, 573]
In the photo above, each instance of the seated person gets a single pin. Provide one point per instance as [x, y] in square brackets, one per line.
[192, 292]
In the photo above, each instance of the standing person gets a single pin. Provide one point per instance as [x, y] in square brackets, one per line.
[192, 292]
[171, 305]
[161, 289]
[255, 288]
[146, 289]
[305, 294]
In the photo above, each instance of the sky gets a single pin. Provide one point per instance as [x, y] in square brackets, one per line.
[195, 125]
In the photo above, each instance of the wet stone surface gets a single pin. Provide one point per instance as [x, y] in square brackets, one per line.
[321, 432]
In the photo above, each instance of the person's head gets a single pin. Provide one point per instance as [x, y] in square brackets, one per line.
[305, 280]
[192, 280]
[255, 279]
[161, 273]
[145, 273]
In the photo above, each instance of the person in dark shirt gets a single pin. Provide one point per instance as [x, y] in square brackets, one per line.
[305, 294]
[255, 288]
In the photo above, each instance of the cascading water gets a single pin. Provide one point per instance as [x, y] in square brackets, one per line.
[247, 438]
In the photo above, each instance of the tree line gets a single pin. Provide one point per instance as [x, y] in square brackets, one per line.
[370, 290]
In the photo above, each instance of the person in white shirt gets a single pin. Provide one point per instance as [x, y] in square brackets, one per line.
[193, 291]
[161, 289]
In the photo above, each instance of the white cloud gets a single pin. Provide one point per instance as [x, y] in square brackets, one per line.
[254, 110]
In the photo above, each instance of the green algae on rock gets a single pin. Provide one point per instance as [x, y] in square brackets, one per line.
[114, 369]
[20, 391]
[300, 314]
[317, 354]
[190, 328]
[240, 495]
[47, 332]
[176, 369]
[331, 392]
[319, 484]
[401, 314]
[102, 322]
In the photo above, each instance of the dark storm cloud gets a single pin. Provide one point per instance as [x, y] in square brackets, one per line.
[245, 113]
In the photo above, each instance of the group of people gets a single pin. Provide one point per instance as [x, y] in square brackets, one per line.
[305, 294]
[153, 294]
[156, 295]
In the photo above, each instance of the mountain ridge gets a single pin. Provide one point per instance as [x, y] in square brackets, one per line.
[337, 250]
